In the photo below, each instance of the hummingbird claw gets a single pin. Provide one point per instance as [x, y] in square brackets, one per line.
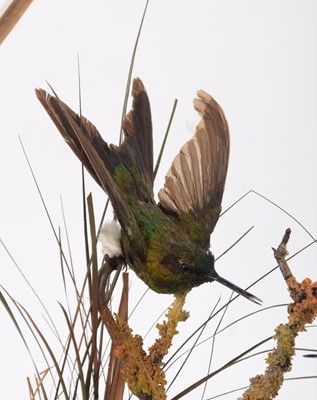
[114, 261]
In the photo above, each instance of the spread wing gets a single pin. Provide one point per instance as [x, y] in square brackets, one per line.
[101, 159]
[136, 149]
[194, 184]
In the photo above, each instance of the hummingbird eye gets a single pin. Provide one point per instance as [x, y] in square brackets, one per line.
[184, 266]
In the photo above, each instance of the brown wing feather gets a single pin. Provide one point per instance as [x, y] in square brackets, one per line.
[136, 149]
[195, 182]
[64, 119]
[137, 127]
[99, 158]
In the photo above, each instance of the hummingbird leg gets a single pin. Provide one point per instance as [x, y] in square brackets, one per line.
[109, 264]
[115, 262]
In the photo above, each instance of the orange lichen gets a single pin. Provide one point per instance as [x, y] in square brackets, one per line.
[266, 386]
[143, 377]
[167, 330]
[301, 312]
[143, 371]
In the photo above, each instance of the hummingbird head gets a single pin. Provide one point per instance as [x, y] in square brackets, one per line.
[182, 266]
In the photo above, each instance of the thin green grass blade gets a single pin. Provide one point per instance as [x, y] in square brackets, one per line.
[86, 236]
[155, 322]
[32, 289]
[246, 387]
[76, 390]
[82, 171]
[115, 382]
[157, 165]
[51, 353]
[213, 347]
[208, 320]
[41, 197]
[93, 365]
[76, 349]
[229, 392]
[295, 378]
[63, 272]
[30, 323]
[138, 302]
[235, 297]
[11, 315]
[46, 212]
[79, 296]
[67, 241]
[112, 286]
[79, 86]
[86, 330]
[235, 243]
[274, 204]
[193, 347]
[126, 96]
[235, 203]
[223, 329]
[103, 217]
[13, 319]
[233, 361]
[285, 212]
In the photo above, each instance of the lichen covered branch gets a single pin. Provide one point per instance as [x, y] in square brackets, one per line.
[142, 371]
[301, 312]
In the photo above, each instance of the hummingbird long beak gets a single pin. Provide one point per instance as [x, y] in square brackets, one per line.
[237, 289]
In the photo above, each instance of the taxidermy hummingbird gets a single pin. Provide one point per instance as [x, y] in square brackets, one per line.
[165, 243]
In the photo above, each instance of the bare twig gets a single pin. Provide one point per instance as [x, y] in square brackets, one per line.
[280, 255]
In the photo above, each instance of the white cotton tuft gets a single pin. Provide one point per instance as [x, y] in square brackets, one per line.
[109, 238]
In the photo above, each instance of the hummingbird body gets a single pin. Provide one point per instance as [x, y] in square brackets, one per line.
[167, 248]
[166, 243]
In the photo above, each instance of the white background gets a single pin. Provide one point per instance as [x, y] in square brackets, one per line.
[259, 60]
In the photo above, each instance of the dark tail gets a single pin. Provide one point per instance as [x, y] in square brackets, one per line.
[238, 290]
